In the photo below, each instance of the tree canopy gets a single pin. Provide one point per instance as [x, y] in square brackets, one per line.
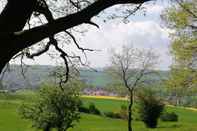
[182, 18]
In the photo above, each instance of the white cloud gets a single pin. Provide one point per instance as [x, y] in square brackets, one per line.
[147, 34]
[143, 34]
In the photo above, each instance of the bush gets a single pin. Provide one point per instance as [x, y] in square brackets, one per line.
[93, 109]
[53, 108]
[123, 112]
[169, 116]
[150, 108]
[112, 115]
[84, 109]
[118, 115]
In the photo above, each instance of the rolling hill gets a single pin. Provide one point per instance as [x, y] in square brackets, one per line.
[37, 74]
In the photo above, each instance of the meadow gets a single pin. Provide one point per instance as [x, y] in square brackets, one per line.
[10, 120]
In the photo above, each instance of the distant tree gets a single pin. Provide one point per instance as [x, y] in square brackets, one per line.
[128, 68]
[182, 18]
[150, 107]
[54, 108]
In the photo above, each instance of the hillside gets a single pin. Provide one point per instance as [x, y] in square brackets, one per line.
[37, 74]
[12, 121]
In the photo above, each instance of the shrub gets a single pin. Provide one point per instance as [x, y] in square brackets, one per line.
[93, 109]
[123, 112]
[112, 115]
[167, 116]
[53, 108]
[84, 109]
[150, 108]
[118, 115]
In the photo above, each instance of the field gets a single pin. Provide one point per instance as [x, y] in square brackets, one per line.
[11, 121]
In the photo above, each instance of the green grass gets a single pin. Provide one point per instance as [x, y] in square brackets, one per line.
[105, 104]
[11, 121]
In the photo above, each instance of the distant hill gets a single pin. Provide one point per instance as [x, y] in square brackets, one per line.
[95, 78]
[37, 74]
[34, 76]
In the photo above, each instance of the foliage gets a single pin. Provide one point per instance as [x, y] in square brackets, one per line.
[93, 109]
[179, 84]
[54, 108]
[122, 114]
[150, 107]
[182, 18]
[169, 116]
[84, 109]
[113, 115]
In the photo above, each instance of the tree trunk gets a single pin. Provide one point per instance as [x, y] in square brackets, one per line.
[47, 128]
[12, 19]
[130, 111]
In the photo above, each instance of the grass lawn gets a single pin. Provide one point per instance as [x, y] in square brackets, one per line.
[11, 121]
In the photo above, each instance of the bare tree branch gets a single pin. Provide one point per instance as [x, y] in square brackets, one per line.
[74, 40]
[133, 11]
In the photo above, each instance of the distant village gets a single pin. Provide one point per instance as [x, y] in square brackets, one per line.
[97, 91]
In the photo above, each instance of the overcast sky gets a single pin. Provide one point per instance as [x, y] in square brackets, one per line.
[141, 31]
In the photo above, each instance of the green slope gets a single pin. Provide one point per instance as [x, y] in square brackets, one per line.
[11, 121]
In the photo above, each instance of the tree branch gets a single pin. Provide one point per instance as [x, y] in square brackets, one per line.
[66, 22]
[74, 40]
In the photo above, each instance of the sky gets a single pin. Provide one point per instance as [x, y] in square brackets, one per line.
[142, 31]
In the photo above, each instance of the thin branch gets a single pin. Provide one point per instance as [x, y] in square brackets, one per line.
[133, 11]
[74, 40]
[63, 55]
[75, 4]
[92, 23]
